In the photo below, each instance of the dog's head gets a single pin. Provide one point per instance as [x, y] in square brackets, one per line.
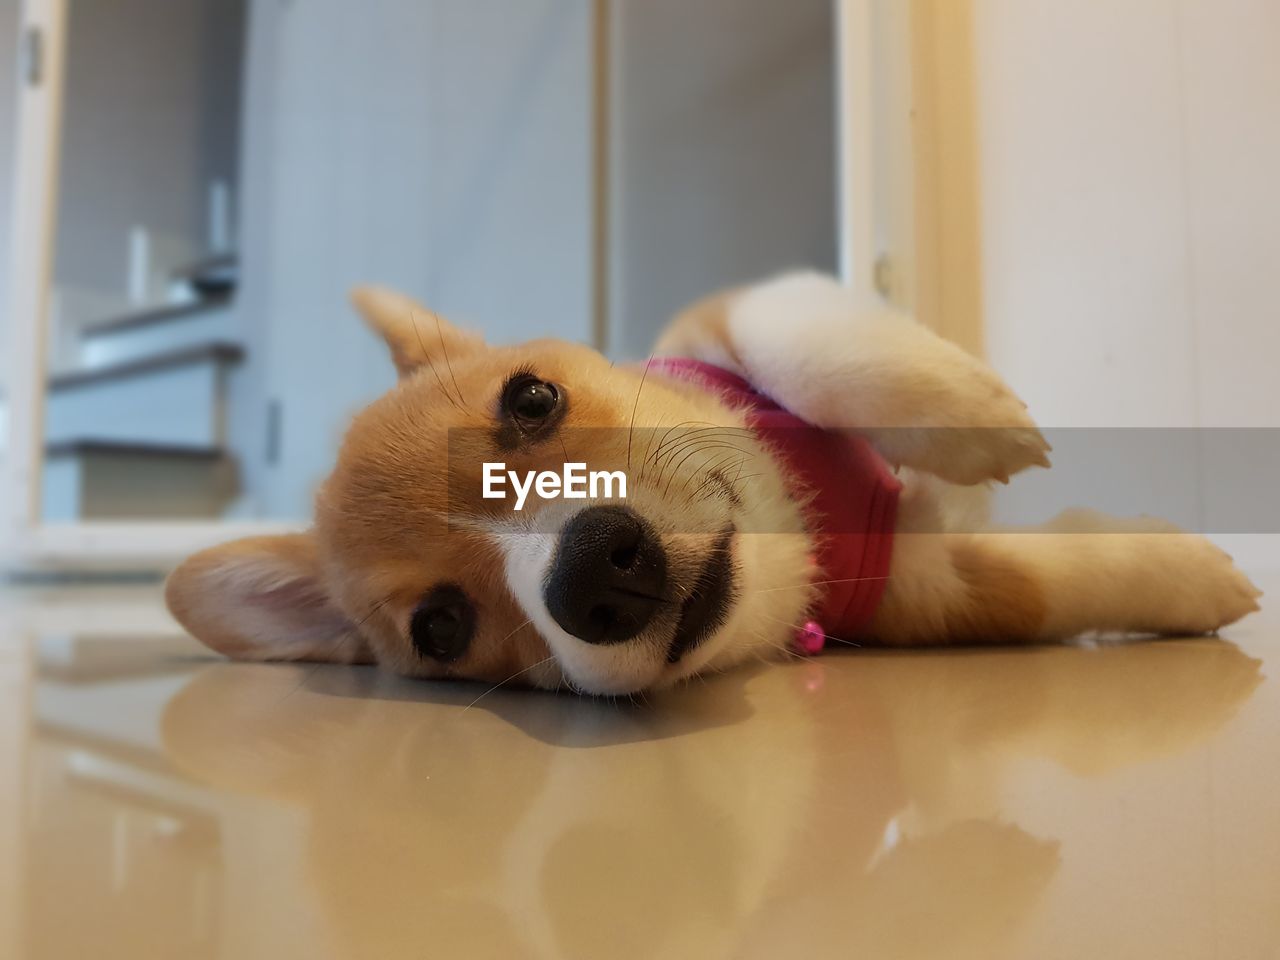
[703, 562]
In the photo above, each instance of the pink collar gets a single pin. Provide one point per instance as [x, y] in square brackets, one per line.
[852, 499]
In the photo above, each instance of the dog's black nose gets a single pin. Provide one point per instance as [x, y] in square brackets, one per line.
[609, 575]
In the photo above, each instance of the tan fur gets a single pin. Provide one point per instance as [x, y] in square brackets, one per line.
[1006, 602]
[996, 600]
[702, 330]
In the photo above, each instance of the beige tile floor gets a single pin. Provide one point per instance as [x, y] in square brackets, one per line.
[1121, 802]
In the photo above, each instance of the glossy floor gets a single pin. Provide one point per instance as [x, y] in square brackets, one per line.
[1047, 803]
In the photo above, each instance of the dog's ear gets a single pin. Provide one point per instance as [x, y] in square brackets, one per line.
[263, 598]
[415, 335]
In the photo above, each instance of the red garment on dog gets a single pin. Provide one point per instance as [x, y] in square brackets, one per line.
[852, 491]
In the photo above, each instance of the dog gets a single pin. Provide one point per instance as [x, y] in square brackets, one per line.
[794, 464]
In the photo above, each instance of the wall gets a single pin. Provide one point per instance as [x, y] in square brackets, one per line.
[1130, 213]
[1130, 221]
[723, 152]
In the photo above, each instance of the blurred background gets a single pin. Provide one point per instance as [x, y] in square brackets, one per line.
[227, 169]
[1084, 193]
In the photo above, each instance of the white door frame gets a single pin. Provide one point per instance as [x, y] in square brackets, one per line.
[31, 543]
[877, 128]
[855, 155]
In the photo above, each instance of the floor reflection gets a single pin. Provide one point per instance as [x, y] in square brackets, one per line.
[981, 804]
[864, 797]
[123, 855]
[944, 865]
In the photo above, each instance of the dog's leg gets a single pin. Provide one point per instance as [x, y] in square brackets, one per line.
[807, 342]
[1080, 573]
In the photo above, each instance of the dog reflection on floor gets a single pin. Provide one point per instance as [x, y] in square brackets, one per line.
[862, 799]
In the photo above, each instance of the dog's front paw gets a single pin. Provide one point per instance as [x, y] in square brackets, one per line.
[965, 455]
[991, 453]
[974, 428]
[994, 432]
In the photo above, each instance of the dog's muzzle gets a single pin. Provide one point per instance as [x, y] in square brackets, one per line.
[609, 576]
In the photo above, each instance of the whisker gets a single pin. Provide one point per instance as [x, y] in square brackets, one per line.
[712, 482]
[445, 351]
[709, 445]
[654, 431]
[826, 636]
[695, 447]
[706, 473]
[298, 686]
[739, 479]
[675, 426]
[376, 607]
[333, 648]
[532, 666]
[702, 446]
[718, 471]
[634, 407]
[776, 648]
[692, 435]
[427, 356]
[345, 637]
[819, 583]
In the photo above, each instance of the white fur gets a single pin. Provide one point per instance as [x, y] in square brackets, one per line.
[598, 668]
[808, 343]
[773, 592]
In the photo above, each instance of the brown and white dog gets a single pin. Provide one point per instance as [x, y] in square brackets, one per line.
[410, 566]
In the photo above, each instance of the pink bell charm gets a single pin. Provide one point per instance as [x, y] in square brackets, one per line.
[810, 639]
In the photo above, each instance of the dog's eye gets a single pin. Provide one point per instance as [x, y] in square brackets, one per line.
[531, 401]
[442, 625]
